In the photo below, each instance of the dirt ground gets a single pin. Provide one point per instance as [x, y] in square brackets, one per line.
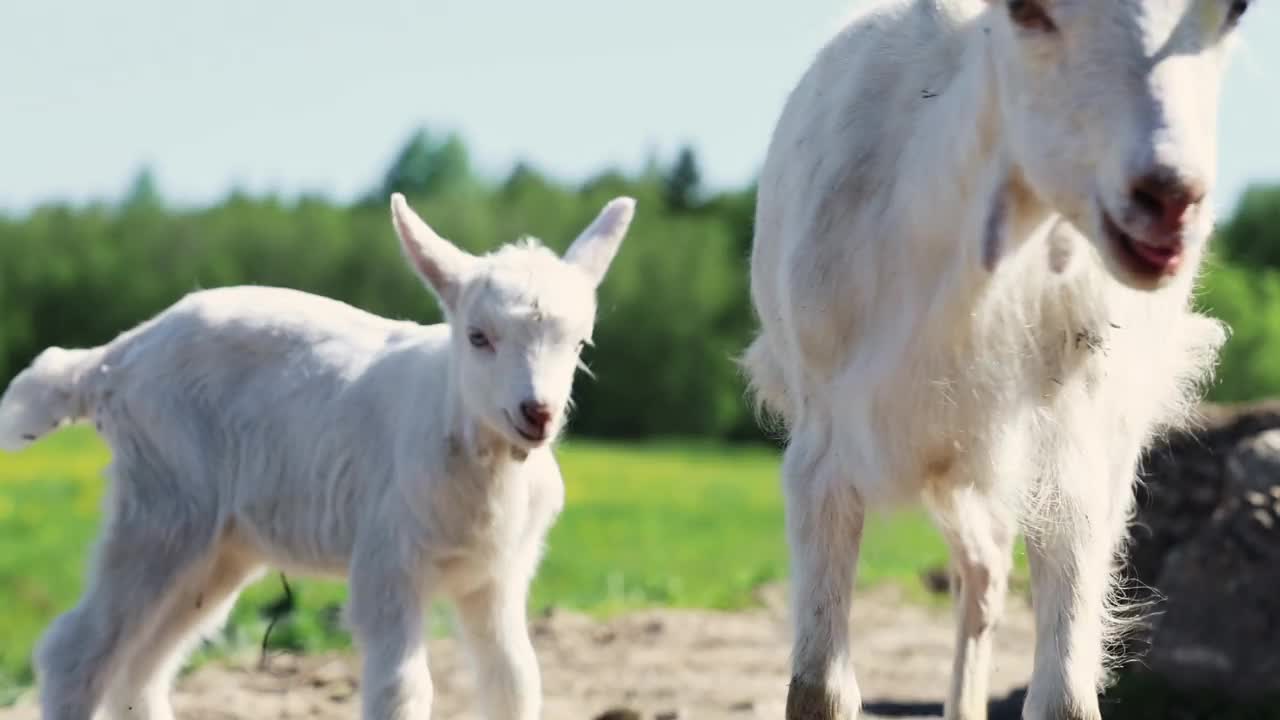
[662, 664]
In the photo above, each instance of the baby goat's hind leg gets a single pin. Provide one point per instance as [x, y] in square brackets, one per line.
[980, 533]
[824, 531]
[197, 605]
[135, 568]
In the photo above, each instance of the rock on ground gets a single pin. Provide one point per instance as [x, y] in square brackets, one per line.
[1207, 539]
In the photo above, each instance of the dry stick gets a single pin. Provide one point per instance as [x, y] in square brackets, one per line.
[277, 610]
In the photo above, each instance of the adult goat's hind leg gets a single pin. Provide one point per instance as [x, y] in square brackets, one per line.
[980, 534]
[824, 531]
[197, 605]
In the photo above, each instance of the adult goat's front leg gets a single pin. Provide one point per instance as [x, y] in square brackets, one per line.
[1071, 545]
[980, 534]
[824, 530]
[497, 636]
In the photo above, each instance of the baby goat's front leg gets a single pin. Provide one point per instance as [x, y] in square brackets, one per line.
[493, 624]
[386, 614]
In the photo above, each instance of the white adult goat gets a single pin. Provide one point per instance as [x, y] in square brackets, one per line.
[257, 426]
[977, 232]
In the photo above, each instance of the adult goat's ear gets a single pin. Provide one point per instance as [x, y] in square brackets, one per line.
[442, 265]
[596, 247]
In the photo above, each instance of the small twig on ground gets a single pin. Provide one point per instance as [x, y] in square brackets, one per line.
[275, 611]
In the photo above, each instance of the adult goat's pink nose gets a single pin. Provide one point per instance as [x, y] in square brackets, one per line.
[538, 414]
[1164, 198]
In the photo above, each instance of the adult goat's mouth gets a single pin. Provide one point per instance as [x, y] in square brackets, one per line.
[532, 436]
[1147, 260]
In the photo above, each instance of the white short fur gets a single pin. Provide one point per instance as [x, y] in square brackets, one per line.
[254, 427]
[944, 317]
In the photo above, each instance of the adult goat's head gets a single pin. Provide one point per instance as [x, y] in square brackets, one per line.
[1110, 109]
[519, 317]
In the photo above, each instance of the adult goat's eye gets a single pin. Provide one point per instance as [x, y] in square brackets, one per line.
[1030, 15]
[479, 340]
[1236, 11]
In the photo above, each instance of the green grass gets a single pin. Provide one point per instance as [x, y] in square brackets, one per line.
[645, 524]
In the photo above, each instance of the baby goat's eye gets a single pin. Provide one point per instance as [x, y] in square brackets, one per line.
[1031, 15]
[479, 340]
[1236, 11]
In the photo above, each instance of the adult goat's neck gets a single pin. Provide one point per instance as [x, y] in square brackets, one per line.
[958, 188]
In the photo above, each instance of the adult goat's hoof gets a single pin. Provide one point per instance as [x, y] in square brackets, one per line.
[814, 701]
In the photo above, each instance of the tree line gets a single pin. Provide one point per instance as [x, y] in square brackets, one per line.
[674, 311]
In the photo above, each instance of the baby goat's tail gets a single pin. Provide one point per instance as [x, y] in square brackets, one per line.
[45, 396]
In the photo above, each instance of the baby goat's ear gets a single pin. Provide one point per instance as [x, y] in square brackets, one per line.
[596, 246]
[438, 261]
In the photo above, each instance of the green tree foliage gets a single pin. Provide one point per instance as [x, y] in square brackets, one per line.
[1242, 288]
[1251, 237]
[426, 167]
[1249, 302]
[674, 311]
[143, 192]
[682, 185]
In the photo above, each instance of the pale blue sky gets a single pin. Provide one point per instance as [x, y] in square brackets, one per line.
[294, 95]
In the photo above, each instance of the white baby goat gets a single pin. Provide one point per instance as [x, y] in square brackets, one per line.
[256, 427]
[978, 228]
